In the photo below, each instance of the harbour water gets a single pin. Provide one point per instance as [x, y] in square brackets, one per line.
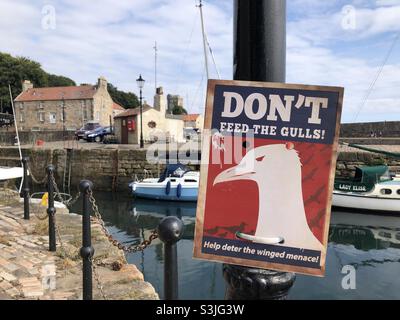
[368, 242]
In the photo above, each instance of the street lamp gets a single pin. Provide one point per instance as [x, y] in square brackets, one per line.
[140, 83]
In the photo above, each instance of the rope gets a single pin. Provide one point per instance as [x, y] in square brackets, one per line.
[369, 90]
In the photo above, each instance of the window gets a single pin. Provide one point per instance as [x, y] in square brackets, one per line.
[386, 191]
[41, 116]
[62, 116]
[52, 117]
[40, 105]
[21, 117]
[98, 116]
[21, 105]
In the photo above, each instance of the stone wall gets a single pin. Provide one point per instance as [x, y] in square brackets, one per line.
[347, 161]
[102, 103]
[364, 129]
[30, 137]
[114, 168]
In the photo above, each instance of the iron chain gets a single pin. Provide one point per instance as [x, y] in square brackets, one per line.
[116, 243]
[97, 278]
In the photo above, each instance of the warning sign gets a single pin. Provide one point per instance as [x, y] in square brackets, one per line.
[268, 165]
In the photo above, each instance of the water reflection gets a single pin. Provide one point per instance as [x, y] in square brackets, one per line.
[370, 243]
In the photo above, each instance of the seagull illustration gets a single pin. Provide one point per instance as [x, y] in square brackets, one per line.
[234, 229]
[276, 169]
[212, 231]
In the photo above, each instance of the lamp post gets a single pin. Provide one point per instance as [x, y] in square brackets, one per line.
[140, 83]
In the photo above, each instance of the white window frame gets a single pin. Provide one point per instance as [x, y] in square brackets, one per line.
[21, 117]
[41, 116]
[54, 115]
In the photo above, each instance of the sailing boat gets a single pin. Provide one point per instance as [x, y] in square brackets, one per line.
[372, 187]
[8, 173]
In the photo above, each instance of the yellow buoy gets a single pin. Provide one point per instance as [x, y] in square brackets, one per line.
[45, 199]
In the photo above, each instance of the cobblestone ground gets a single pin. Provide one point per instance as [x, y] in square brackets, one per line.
[29, 271]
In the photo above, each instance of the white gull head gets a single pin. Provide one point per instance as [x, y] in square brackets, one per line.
[277, 171]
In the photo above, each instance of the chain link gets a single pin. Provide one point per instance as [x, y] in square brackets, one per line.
[97, 278]
[36, 180]
[116, 243]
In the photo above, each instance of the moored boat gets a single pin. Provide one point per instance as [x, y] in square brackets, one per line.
[372, 188]
[177, 183]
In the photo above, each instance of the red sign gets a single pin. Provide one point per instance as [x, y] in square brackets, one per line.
[265, 193]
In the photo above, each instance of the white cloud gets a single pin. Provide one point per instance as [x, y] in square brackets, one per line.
[116, 39]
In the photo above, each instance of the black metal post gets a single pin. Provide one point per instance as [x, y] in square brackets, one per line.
[51, 210]
[141, 121]
[25, 190]
[87, 251]
[259, 55]
[259, 30]
[170, 231]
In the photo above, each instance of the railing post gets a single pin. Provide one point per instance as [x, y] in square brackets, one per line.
[25, 190]
[51, 210]
[170, 231]
[87, 251]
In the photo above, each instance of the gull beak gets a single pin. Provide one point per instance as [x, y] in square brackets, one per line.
[239, 172]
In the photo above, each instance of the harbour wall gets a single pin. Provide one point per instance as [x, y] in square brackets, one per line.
[368, 129]
[113, 169]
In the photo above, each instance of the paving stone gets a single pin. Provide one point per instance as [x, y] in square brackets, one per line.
[13, 292]
[7, 276]
[4, 285]
[11, 267]
[32, 292]
[29, 269]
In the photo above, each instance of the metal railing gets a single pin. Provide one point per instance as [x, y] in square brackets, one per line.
[169, 231]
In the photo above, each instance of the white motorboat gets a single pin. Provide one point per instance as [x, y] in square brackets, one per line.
[177, 183]
[372, 188]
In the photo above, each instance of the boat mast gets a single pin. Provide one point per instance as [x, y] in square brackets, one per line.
[155, 66]
[204, 38]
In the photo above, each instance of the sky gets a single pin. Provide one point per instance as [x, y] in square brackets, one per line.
[354, 44]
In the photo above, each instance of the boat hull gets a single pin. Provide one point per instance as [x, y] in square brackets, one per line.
[365, 202]
[158, 193]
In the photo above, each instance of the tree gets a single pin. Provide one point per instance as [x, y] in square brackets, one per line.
[178, 110]
[14, 70]
[59, 81]
[126, 99]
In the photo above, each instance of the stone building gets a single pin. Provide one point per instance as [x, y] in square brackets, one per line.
[193, 121]
[117, 109]
[157, 123]
[172, 101]
[55, 108]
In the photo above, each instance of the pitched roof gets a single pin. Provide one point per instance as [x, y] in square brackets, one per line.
[190, 117]
[133, 112]
[116, 106]
[58, 93]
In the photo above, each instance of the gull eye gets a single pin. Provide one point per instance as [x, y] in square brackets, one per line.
[260, 158]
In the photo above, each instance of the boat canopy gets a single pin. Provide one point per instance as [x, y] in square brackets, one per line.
[174, 170]
[371, 174]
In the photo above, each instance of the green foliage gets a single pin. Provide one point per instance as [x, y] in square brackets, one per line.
[126, 99]
[178, 110]
[14, 70]
[59, 81]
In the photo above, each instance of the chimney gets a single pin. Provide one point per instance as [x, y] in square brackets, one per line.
[102, 83]
[160, 101]
[26, 84]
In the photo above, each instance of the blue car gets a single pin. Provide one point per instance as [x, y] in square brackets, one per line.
[98, 134]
